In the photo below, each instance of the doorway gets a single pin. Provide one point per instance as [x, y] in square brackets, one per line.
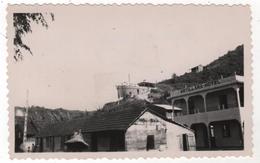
[150, 142]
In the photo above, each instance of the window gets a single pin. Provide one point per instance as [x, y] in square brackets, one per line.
[226, 130]
[150, 142]
[137, 91]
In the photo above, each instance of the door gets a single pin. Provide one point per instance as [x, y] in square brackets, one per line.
[185, 142]
[150, 142]
[212, 137]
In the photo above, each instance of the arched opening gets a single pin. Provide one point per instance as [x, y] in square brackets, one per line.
[201, 136]
[222, 99]
[181, 103]
[196, 104]
[226, 135]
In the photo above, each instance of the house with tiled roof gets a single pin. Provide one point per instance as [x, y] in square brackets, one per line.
[133, 126]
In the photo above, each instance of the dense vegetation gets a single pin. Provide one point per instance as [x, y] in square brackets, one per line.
[44, 115]
[227, 65]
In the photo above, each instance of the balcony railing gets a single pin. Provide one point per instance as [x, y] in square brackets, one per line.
[210, 116]
[208, 85]
[221, 107]
[197, 110]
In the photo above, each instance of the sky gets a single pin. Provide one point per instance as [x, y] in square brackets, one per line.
[88, 50]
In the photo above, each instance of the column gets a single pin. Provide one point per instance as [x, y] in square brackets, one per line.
[187, 104]
[237, 96]
[209, 136]
[173, 109]
[204, 101]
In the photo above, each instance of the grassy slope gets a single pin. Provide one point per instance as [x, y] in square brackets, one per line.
[228, 64]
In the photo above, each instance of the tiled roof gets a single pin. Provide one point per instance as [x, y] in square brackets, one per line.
[103, 121]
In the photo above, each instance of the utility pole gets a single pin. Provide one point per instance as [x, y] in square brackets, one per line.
[26, 117]
[129, 79]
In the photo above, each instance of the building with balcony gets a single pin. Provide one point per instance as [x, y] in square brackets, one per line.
[214, 110]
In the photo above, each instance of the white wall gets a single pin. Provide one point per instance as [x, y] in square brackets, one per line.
[174, 137]
[146, 125]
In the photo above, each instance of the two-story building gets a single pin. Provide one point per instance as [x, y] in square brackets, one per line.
[214, 110]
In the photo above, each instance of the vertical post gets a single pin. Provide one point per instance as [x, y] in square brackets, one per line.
[173, 109]
[187, 104]
[129, 79]
[25, 125]
[204, 101]
[26, 117]
[209, 135]
[237, 96]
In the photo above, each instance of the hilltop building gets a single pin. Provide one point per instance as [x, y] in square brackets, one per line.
[143, 90]
[214, 110]
[134, 126]
[197, 69]
[140, 90]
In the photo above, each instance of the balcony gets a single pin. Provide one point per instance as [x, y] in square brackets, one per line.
[207, 86]
[210, 116]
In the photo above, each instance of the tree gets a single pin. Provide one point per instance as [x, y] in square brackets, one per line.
[22, 25]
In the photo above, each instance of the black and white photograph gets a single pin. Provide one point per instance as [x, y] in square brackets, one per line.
[129, 79]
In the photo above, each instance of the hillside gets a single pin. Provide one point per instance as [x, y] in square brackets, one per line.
[51, 115]
[230, 63]
[38, 117]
